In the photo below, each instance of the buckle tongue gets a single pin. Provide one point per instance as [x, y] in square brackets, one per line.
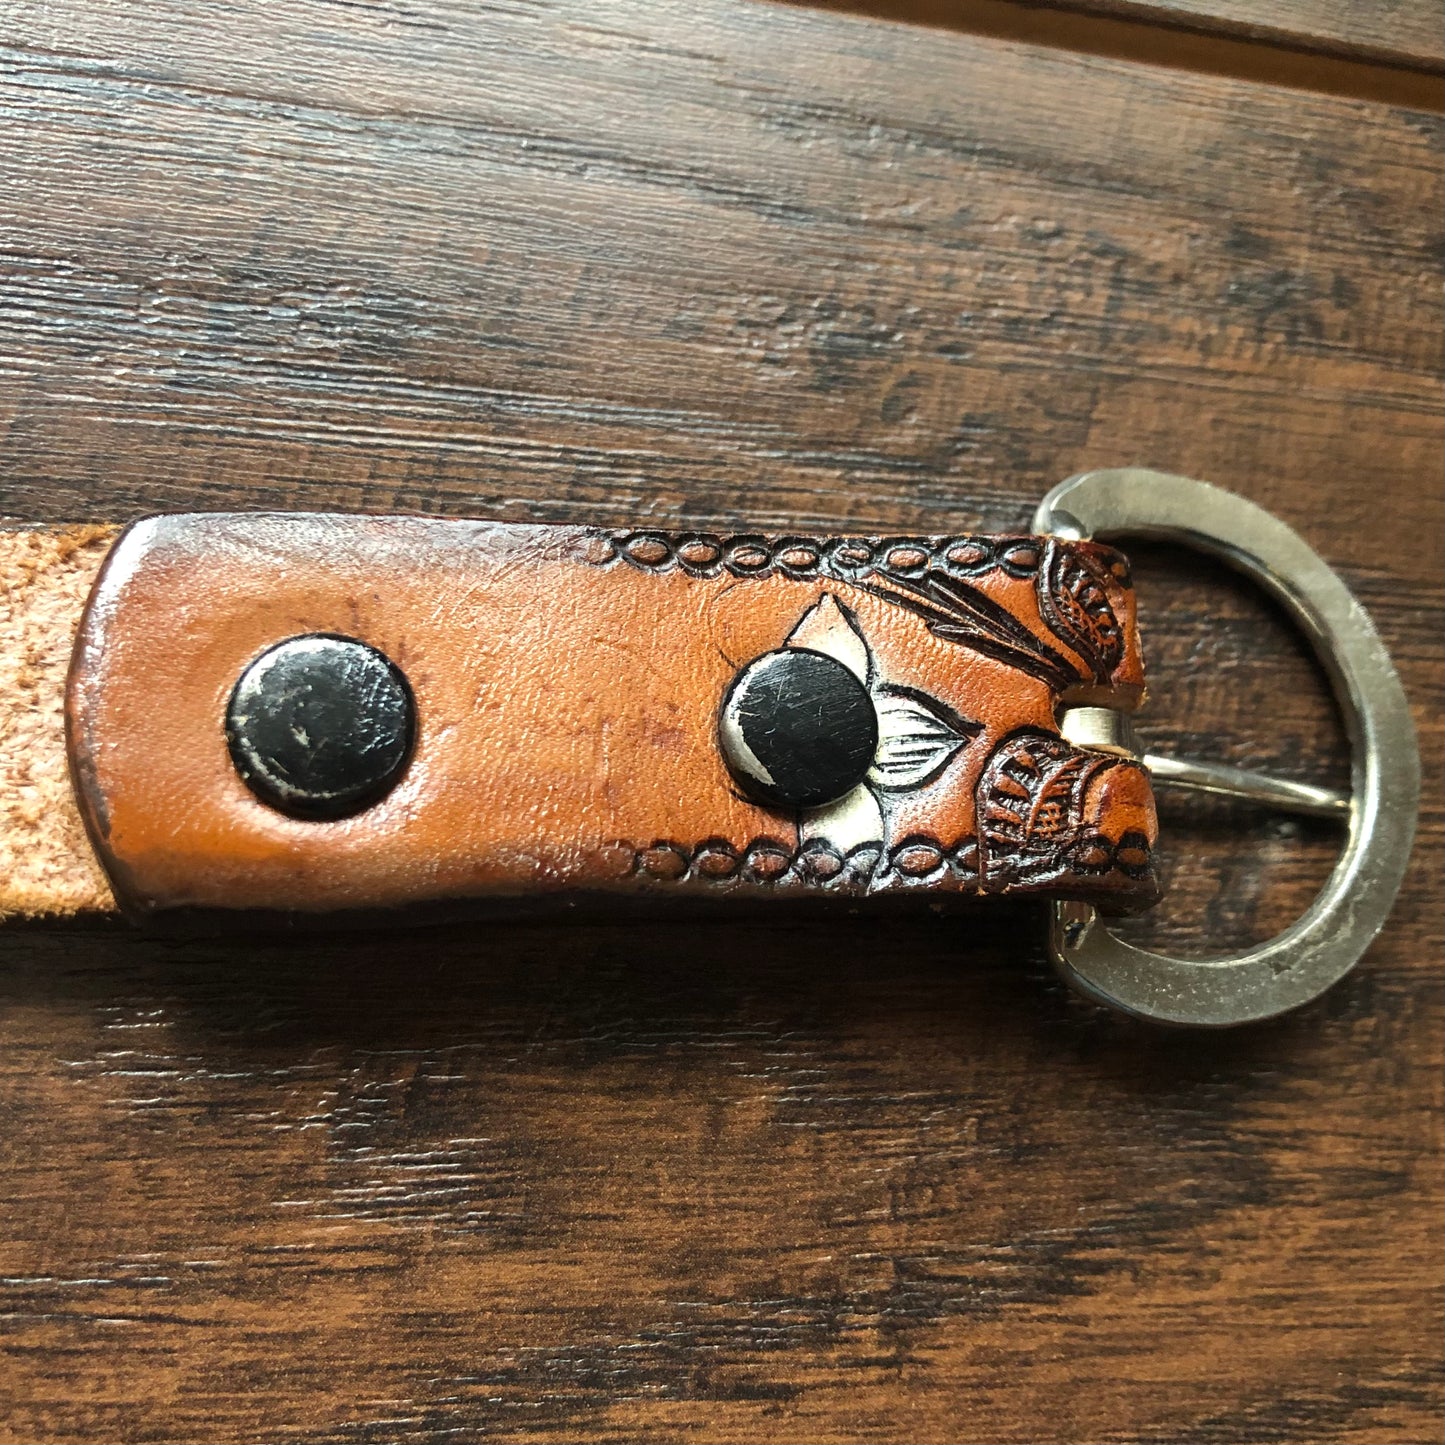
[1107, 730]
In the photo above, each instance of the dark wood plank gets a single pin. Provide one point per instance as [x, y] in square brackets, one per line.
[1396, 32]
[792, 1178]
[1390, 53]
[386, 270]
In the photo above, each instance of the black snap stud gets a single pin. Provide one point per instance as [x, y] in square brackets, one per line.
[321, 726]
[798, 728]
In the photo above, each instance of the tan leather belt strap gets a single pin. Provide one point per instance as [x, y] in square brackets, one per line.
[587, 711]
[46, 865]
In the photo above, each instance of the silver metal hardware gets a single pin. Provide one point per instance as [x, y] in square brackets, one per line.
[1280, 793]
[1107, 730]
[1329, 939]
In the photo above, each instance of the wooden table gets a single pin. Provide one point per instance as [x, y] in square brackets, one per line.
[791, 1178]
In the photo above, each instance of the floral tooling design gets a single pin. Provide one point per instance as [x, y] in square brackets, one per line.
[918, 736]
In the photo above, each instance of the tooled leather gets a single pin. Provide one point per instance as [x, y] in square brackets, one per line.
[568, 683]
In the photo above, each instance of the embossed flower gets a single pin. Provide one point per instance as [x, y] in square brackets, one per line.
[918, 736]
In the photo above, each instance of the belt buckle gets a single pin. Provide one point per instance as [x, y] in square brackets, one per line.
[1330, 937]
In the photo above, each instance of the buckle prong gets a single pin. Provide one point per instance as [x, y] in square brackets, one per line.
[1106, 729]
[1226, 782]
[1380, 811]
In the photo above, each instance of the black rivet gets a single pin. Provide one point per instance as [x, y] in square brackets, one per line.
[321, 726]
[798, 728]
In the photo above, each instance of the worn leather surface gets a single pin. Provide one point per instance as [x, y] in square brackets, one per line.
[568, 683]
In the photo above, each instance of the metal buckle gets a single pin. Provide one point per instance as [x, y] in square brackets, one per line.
[1329, 939]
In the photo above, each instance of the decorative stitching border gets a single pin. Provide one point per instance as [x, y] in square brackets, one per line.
[918, 860]
[848, 559]
[771, 862]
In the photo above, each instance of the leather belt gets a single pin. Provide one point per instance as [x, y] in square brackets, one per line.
[567, 687]
[308, 713]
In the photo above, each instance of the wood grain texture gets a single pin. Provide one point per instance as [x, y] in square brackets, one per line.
[791, 1177]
